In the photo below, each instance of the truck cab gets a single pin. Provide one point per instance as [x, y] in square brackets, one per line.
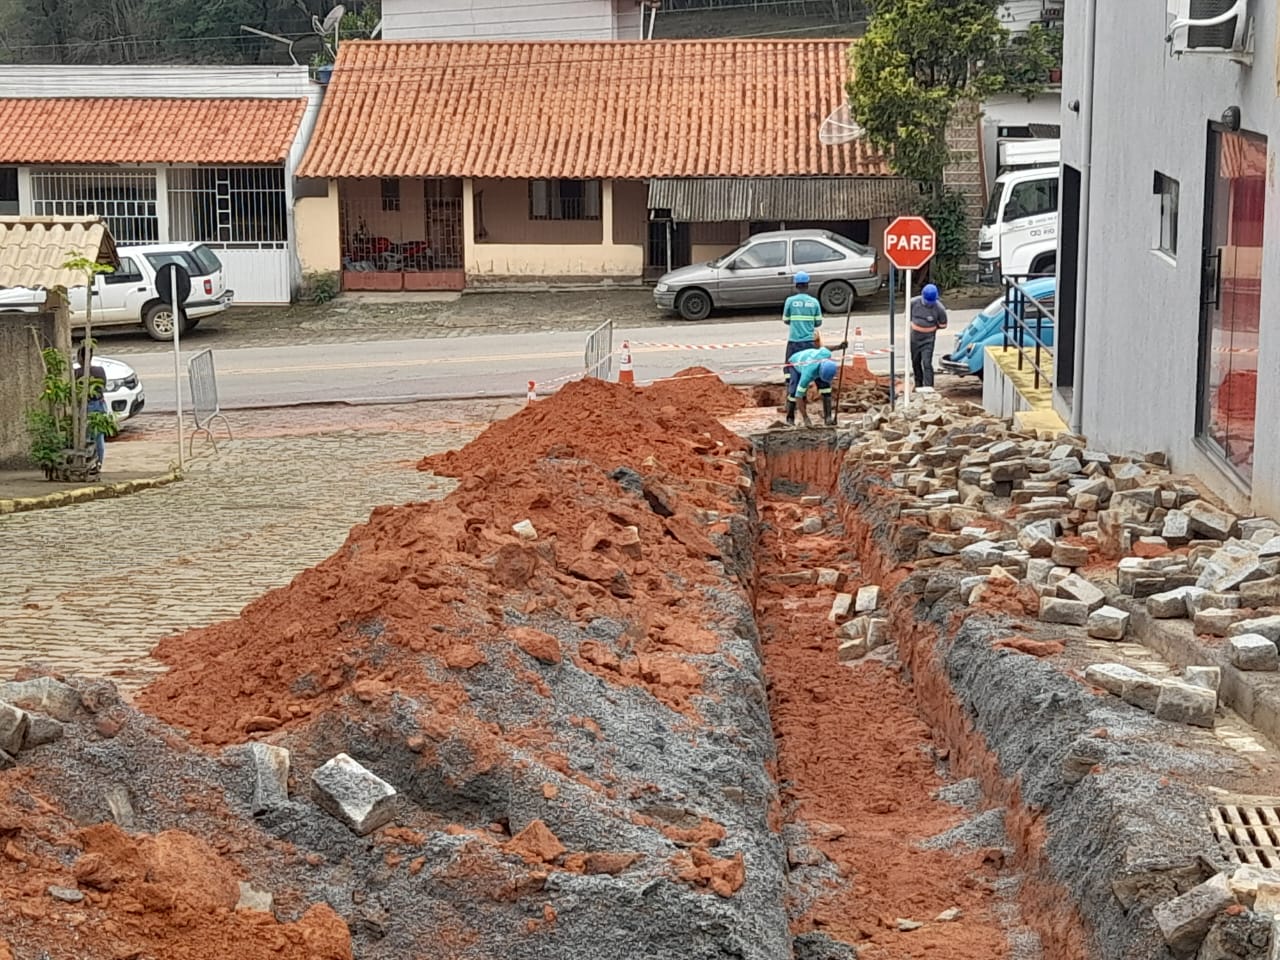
[1019, 233]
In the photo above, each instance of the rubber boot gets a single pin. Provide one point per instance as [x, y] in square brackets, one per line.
[827, 417]
[791, 413]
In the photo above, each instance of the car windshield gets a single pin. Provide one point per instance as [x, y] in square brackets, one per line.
[858, 248]
[993, 206]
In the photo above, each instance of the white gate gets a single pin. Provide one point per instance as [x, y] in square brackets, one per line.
[258, 275]
[242, 214]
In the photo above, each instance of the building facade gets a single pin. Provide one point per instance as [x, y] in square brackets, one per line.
[495, 20]
[166, 154]
[452, 164]
[1180, 268]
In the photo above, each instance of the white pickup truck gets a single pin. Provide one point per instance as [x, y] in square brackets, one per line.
[128, 297]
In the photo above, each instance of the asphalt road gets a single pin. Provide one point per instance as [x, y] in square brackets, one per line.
[488, 365]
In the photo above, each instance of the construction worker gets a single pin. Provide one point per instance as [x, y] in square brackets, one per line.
[802, 313]
[928, 316]
[809, 366]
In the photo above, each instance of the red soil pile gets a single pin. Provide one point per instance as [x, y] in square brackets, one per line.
[1036, 648]
[852, 753]
[698, 387]
[855, 374]
[168, 895]
[611, 425]
[434, 579]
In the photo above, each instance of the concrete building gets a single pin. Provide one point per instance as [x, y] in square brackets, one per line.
[445, 164]
[501, 20]
[1181, 295]
[172, 153]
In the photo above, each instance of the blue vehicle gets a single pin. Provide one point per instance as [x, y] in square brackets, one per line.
[987, 329]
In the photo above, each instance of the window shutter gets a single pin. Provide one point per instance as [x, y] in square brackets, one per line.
[539, 202]
[591, 199]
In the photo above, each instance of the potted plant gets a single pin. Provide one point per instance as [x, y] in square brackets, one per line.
[1053, 46]
[60, 427]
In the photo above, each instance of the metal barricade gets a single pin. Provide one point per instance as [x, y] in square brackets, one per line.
[598, 356]
[204, 398]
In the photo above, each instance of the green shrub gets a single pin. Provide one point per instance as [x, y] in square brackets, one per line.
[320, 286]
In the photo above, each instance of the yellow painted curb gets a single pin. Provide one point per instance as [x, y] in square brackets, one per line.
[100, 491]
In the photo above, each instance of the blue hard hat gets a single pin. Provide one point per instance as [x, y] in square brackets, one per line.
[930, 293]
[827, 370]
[801, 277]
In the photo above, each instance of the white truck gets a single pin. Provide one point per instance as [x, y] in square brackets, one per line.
[1019, 233]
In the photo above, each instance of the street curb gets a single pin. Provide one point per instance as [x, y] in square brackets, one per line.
[102, 491]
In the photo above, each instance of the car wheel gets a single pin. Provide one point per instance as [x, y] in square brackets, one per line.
[836, 297]
[1045, 266]
[159, 321]
[694, 304]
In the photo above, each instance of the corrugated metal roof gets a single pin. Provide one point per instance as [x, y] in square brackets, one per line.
[716, 199]
[33, 250]
[585, 109]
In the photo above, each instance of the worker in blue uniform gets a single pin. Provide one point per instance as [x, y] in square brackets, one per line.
[802, 313]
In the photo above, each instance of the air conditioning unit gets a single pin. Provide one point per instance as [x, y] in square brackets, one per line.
[1209, 26]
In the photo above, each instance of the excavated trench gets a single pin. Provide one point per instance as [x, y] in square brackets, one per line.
[1080, 815]
[889, 850]
[629, 737]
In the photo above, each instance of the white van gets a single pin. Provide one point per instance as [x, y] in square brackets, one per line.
[128, 297]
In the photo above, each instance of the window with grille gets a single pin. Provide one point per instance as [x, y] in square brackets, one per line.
[390, 195]
[564, 199]
[125, 199]
[236, 205]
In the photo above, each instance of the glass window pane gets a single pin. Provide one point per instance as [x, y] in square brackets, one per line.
[772, 253]
[1237, 209]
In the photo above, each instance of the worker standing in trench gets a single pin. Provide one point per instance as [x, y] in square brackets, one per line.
[928, 316]
[802, 313]
[811, 366]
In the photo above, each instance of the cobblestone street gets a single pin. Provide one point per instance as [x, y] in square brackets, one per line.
[90, 588]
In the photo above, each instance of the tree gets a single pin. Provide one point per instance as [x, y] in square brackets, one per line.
[80, 421]
[918, 60]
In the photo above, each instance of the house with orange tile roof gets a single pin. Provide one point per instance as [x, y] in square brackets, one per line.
[452, 164]
[166, 154]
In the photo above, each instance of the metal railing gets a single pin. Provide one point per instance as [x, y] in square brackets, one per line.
[204, 399]
[598, 355]
[1027, 319]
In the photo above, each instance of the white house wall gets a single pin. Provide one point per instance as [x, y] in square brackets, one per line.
[266, 276]
[500, 20]
[1151, 113]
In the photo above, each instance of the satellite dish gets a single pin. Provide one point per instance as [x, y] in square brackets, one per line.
[332, 19]
[840, 127]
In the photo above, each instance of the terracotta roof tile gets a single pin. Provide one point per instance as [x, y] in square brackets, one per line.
[625, 109]
[102, 130]
[33, 250]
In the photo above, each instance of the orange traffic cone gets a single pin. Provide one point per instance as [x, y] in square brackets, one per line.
[625, 373]
[860, 353]
[532, 395]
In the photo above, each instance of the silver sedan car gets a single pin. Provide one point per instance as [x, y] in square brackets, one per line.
[760, 274]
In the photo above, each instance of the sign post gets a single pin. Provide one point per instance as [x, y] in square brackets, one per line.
[173, 284]
[909, 243]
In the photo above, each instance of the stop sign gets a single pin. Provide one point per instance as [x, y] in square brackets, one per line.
[910, 243]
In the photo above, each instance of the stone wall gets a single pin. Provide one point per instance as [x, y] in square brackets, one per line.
[964, 174]
[23, 373]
